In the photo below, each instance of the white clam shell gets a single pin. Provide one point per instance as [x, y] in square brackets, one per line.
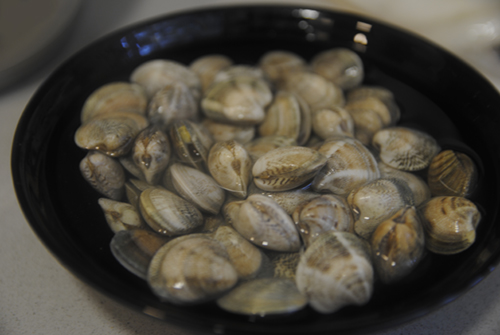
[335, 271]
[120, 215]
[263, 222]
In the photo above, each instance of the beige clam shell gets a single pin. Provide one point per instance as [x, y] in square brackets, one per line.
[207, 67]
[349, 165]
[449, 223]
[405, 148]
[225, 132]
[452, 173]
[341, 66]
[167, 213]
[335, 271]
[263, 222]
[230, 165]
[120, 215]
[113, 97]
[197, 187]
[398, 245]
[333, 121]
[191, 269]
[278, 64]
[151, 153]
[104, 174]
[286, 168]
[261, 145]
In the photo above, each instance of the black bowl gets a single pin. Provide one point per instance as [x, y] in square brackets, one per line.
[435, 91]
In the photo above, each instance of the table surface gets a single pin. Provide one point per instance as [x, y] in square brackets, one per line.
[39, 296]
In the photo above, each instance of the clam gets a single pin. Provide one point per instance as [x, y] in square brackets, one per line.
[398, 245]
[110, 133]
[191, 269]
[278, 64]
[120, 215]
[225, 132]
[167, 213]
[286, 168]
[155, 74]
[321, 214]
[206, 67]
[127, 161]
[230, 165]
[335, 271]
[288, 115]
[134, 249]
[263, 222]
[133, 190]
[264, 296]
[339, 65]
[151, 153]
[405, 148]
[174, 101]
[382, 93]
[246, 258]
[449, 223]
[334, 121]
[197, 187]
[315, 90]
[235, 72]
[376, 201]
[452, 173]
[260, 145]
[113, 97]
[418, 186]
[288, 200]
[191, 143]
[349, 165]
[284, 264]
[239, 101]
[104, 174]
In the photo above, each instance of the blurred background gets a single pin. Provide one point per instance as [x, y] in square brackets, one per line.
[39, 296]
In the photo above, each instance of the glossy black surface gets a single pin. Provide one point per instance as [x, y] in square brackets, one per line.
[435, 91]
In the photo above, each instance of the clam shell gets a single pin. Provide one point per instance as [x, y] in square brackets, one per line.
[452, 173]
[134, 249]
[449, 223]
[113, 97]
[265, 296]
[398, 245]
[376, 201]
[191, 269]
[230, 165]
[237, 72]
[286, 168]
[405, 149]
[278, 64]
[382, 93]
[155, 74]
[263, 222]
[334, 121]
[349, 165]
[151, 153]
[174, 101]
[341, 66]
[167, 213]
[287, 116]
[104, 174]
[261, 145]
[418, 186]
[315, 90]
[197, 187]
[321, 214]
[335, 271]
[191, 143]
[240, 101]
[225, 132]
[245, 257]
[110, 133]
[133, 190]
[120, 215]
[207, 67]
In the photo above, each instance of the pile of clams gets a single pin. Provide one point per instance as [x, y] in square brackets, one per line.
[269, 187]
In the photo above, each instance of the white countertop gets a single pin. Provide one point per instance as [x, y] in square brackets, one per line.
[39, 296]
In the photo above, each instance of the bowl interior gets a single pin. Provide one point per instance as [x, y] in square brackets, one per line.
[435, 91]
